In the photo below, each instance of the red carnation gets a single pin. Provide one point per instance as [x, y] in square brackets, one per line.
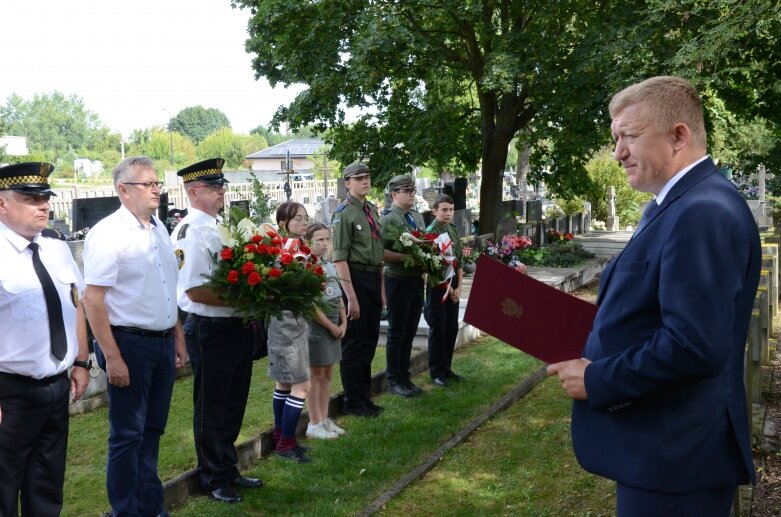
[276, 241]
[233, 275]
[319, 270]
[286, 258]
[272, 234]
[274, 272]
[305, 249]
[256, 238]
[247, 268]
[251, 248]
[430, 236]
[416, 234]
[274, 250]
[253, 278]
[262, 248]
[227, 254]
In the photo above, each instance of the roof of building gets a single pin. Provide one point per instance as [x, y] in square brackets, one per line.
[299, 148]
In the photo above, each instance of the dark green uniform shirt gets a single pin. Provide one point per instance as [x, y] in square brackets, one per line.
[439, 228]
[394, 219]
[353, 239]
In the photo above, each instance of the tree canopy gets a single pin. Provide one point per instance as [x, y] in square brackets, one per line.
[230, 146]
[197, 122]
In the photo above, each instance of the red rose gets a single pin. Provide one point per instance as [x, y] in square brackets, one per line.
[319, 270]
[253, 278]
[256, 238]
[262, 248]
[248, 268]
[272, 234]
[274, 272]
[309, 265]
[276, 241]
[251, 248]
[305, 249]
[274, 250]
[569, 236]
[226, 254]
[430, 236]
[233, 275]
[416, 234]
[313, 259]
[286, 258]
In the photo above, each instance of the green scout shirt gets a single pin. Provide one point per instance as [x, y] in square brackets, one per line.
[395, 218]
[353, 239]
[439, 228]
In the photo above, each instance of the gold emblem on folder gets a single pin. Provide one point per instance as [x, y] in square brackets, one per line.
[512, 308]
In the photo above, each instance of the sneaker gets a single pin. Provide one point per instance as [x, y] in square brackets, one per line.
[331, 426]
[319, 431]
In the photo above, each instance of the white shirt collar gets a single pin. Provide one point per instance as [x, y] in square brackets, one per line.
[675, 179]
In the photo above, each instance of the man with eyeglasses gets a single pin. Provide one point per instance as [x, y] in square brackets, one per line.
[403, 286]
[357, 256]
[44, 333]
[218, 342]
[130, 271]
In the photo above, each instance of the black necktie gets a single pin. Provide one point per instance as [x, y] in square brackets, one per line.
[647, 214]
[59, 342]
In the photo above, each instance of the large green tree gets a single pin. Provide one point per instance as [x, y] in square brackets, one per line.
[230, 146]
[197, 122]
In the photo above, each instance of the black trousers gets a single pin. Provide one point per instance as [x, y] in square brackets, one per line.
[442, 319]
[405, 303]
[220, 352]
[33, 441]
[360, 342]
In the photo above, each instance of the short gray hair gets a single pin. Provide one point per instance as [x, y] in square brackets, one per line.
[126, 167]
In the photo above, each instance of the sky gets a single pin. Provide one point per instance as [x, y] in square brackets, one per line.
[131, 61]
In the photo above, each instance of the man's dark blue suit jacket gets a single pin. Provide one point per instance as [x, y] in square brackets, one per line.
[666, 408]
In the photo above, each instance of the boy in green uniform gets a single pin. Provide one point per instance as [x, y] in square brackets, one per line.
[403, 286]
[442, 316]
[357, 255]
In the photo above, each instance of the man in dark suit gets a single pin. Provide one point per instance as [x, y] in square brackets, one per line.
[659, 403]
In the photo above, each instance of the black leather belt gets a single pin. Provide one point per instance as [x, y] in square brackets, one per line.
[32, 380]
[364, 267]
[142, 332]
[215, 319]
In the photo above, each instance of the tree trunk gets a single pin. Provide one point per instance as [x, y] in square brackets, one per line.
[523, 170]
[492, 170]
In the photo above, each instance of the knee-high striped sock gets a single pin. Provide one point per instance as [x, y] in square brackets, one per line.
[278, 404]
[290, 417]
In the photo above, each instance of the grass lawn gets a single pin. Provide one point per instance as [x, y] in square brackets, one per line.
[519, 463]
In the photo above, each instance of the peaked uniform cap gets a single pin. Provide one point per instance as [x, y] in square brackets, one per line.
[207, 171]
[399, 182]
[27, 178]
[355, 169]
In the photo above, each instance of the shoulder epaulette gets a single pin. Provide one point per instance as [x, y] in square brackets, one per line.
[182, 232]
[52, 233]
[341, 207]
[385, 211]
[370, 203]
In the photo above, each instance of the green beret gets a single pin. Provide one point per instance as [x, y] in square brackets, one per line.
[400, 182]
[354, 169]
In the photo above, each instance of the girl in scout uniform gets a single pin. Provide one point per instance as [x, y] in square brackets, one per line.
[325, 334]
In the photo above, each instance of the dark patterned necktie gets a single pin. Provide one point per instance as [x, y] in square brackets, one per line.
[647, 214]
[372, 223]
[57, 338]
[410, 220]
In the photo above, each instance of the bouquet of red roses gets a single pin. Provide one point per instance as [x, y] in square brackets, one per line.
[262, 273]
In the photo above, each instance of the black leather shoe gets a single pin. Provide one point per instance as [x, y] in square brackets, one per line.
[374, 407]
[226, 495]
[302, 448]
[398, 389]
[439, 381]
[412, 387]
[246, 482]
[365, 411]
[452, 376]
[294, 455]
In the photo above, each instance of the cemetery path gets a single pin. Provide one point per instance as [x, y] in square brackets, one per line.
[766, 498]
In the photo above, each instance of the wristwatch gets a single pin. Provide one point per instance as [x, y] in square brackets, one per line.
[87, 365]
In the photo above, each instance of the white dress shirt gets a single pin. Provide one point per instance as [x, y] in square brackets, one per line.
[25, 347]
[138, 266]
[195, 254]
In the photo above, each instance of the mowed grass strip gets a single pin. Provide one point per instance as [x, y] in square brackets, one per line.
[350, 472]
[519, 463]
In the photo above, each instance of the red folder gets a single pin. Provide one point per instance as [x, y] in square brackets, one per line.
[534, 317]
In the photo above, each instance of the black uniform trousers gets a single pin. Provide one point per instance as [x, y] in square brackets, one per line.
[360, 342]
[220, 351]
[405, 303]
[33, 441]
[442, 319]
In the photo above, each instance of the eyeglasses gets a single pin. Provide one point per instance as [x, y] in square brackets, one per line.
[148, 185]
[407, 190]
[361, 177]
[214, 187]
[300, 218]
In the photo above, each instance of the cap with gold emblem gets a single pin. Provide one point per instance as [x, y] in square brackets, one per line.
[207, 171]
[355, 169]
[400, 182]
[27, 178]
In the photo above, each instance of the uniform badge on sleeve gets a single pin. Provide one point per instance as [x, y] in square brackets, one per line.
[75, 295]
[179, 258]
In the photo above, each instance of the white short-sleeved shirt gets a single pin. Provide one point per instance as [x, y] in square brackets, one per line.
[25, 347]
[139, 268]
[195, 252]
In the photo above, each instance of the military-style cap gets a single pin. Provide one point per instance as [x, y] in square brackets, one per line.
[354, 169]
[27, 178]
[207, 171]
[400, 182]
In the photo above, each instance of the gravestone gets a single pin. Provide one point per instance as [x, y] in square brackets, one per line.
[534, 210]
[462, 220]
[612, 222]
[507, 226]
[241, 203]
[341, 190]
[431, 194]
[86, 212]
